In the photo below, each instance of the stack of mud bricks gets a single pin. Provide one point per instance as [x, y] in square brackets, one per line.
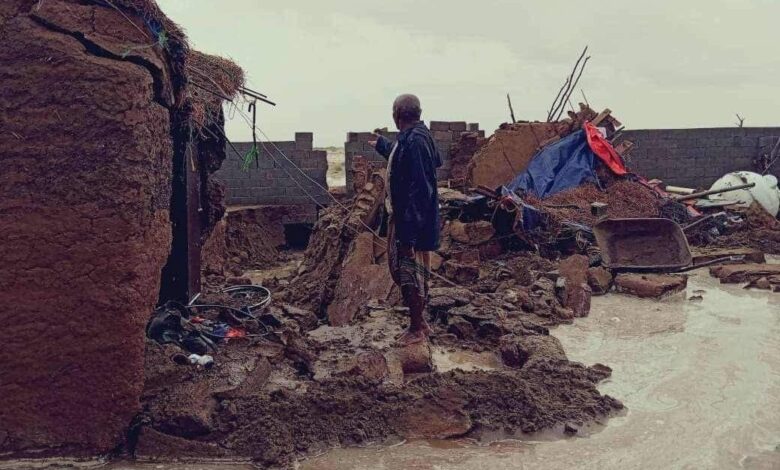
[272, 180]
[445, 133]
[697, 157]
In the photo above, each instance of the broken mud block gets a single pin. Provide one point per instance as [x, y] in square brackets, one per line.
[186, 410]
[558, 311]
[461, 328]
[738, 273]
[297, 350]
[472, 233]
[461, 153]
[751, 255]
[360, 170]
[461, 273]
[253, 236]
[305, 318]
[519, 297]
[213, 254]
[574, 291]
[577, 298]
[764, 283]
[330, 243]
[238, 281]
[517, 350]
[650, 285]
[574, 269]
[441, 302]
[599, 372]
[446, 297]
[362, 279]
[474, 313]
[441, 416]
[414, 358]
[254, 380]
[600, 280]
[367, 203]
[156, 445]
[371, 365]
[490, 330]
[490, 249]
[471, 257]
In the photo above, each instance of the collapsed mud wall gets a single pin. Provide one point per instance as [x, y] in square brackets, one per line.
[445, 133]
[508, 153]
[86, 149]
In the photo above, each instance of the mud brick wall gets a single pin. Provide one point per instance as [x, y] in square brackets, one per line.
[445, 133]
[698, 157]
[267, 183]
[87, 153]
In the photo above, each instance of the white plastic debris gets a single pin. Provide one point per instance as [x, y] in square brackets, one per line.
[765, 191]
[203, 361]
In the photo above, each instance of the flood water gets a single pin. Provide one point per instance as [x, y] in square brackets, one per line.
[700, 380]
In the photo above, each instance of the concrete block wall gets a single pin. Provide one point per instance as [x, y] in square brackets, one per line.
[698, 157]
[266, 182]
[445, 133]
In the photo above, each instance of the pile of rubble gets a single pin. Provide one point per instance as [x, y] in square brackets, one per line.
[562, 223]
[319, 367]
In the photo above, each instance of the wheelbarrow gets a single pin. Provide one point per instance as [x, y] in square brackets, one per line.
[647, 244]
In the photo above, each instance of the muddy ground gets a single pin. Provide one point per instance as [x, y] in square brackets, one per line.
[699, 378]
[320, 367]
[295, 385]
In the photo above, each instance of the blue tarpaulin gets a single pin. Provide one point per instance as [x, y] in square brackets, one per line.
[565, 164]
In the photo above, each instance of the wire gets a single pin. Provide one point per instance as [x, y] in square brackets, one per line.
[270, 154]
[109, 3]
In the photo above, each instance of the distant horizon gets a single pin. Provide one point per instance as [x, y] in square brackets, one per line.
[489, 133]
[335, 67]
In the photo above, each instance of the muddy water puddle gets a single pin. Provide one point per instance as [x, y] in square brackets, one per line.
[700, 380]
[446, 360]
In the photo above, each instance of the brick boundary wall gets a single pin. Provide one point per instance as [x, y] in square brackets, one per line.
[266, 182]
[698, 157]
[684, 157]
[445, 133]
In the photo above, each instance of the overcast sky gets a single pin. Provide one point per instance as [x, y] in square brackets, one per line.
[336, 65]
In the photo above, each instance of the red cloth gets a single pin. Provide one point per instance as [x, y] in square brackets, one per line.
[604, 150]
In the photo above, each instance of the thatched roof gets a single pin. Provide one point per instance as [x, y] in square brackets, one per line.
[212, 80]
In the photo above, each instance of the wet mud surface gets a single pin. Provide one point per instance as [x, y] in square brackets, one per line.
[327, 387]
[700, 381]
[312, 373]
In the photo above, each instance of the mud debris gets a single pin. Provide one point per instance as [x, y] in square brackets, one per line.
[328, 372]
[740, 273]
[654, 286]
